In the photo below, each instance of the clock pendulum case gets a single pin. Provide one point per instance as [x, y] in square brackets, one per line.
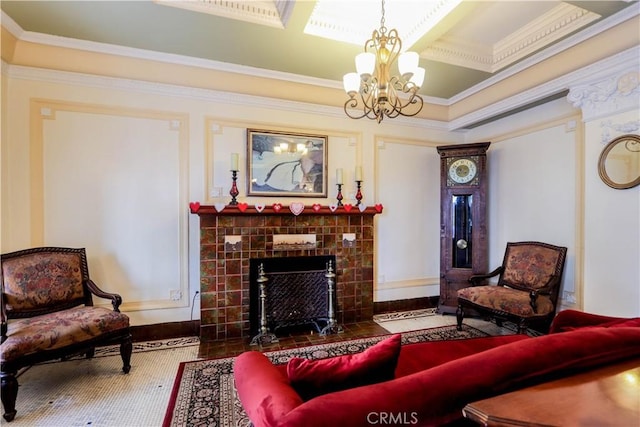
[463, 219]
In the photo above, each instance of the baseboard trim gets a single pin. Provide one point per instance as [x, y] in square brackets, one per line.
[163, 331]
[380, 307]
[188, 328]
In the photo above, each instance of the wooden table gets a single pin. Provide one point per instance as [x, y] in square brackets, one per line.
[608, 396]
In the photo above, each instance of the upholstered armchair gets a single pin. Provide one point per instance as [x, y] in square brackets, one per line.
[48, 313]
[527, 288]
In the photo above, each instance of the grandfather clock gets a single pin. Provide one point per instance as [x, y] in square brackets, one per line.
[463, 218]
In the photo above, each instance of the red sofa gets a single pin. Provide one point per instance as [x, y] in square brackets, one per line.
[433, 381]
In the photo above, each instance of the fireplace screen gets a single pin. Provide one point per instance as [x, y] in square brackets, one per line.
[291, 292]
[295, 298]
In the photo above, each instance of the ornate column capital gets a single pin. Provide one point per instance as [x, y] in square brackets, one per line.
[611, 90]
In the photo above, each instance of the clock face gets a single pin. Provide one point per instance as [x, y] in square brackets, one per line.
[463, 171]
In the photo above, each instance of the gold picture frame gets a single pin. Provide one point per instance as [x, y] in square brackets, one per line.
[286, 164]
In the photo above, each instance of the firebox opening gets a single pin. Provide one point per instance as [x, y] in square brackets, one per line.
[296, 290]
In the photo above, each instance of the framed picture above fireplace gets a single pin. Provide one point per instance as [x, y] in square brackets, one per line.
[286, 164]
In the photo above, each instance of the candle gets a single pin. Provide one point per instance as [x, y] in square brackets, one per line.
[234, 161]
[358, 173]
[338, 176]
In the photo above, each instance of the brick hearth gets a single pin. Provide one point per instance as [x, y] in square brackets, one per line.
[224, 275]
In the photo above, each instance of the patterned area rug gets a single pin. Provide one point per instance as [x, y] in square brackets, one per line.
[204, 393]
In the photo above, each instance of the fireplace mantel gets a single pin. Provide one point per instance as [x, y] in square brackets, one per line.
[281, 209]
[225, 290]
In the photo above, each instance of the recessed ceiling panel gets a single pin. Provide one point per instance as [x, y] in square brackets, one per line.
[354, 21]
[273, 13]
[482, 43]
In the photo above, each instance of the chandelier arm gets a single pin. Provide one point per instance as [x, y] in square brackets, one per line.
[350, 108]
[414, 100]
[395, 43]
[395, 104]
[410, 108]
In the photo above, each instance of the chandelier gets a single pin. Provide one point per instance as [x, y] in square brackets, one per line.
[373, 91]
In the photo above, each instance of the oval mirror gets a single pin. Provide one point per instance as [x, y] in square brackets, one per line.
[619, 164]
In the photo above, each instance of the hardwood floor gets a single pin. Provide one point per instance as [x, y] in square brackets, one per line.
[233, 347]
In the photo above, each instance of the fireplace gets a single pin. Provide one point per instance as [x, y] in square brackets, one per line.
[296, 292]
[230, 238]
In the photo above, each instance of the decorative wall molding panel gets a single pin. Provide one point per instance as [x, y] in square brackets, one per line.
[620, 128]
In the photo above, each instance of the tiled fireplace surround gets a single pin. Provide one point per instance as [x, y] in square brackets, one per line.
[224, 275]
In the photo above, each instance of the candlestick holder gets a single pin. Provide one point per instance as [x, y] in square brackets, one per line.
[234, 188]
[358, 193]
[339, 196]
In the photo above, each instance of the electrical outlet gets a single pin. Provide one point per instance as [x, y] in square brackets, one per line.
[175, 295]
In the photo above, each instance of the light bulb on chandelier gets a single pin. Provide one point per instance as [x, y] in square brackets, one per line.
[373, 92]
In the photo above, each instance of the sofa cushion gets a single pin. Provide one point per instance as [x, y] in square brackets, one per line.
[265, 391]
[56, 330]
[570, 320]
[311, 378]
[420, 356]
[35, 282]
[530, 266]
[512, 301]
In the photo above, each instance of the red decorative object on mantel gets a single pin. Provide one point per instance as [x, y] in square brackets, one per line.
[194, 206]
[276, 209]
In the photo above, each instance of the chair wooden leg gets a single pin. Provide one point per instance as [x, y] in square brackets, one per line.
[126, 348]
[522, 327]
[9, 394]
[459, 317]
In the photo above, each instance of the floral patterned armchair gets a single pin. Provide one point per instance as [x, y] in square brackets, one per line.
[48, 313]
[527, 289]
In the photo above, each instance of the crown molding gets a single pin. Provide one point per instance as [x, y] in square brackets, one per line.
[616, 64]
[65, 42]
[594, 30]
[11, 25]
[609, 90]
[502, 107]
[555, 24]
[187, 92]
[169, 58]
[273, 13]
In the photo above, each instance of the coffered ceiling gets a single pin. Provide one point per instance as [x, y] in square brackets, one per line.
[461, 43]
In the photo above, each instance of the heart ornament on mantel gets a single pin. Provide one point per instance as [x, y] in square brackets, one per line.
[348, 207]
[276, 207]
[333, 208]
[378, 207]
[219, 206]
[362, 207]
[243, 207]
[316, 207]
[260, 208]
[296, 208]
[195, 206]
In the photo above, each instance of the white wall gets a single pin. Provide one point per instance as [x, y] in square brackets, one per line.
[408, 185]
[111, 165]
[612, 225]
[534, 190]
[542, 171]
[112, 184]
